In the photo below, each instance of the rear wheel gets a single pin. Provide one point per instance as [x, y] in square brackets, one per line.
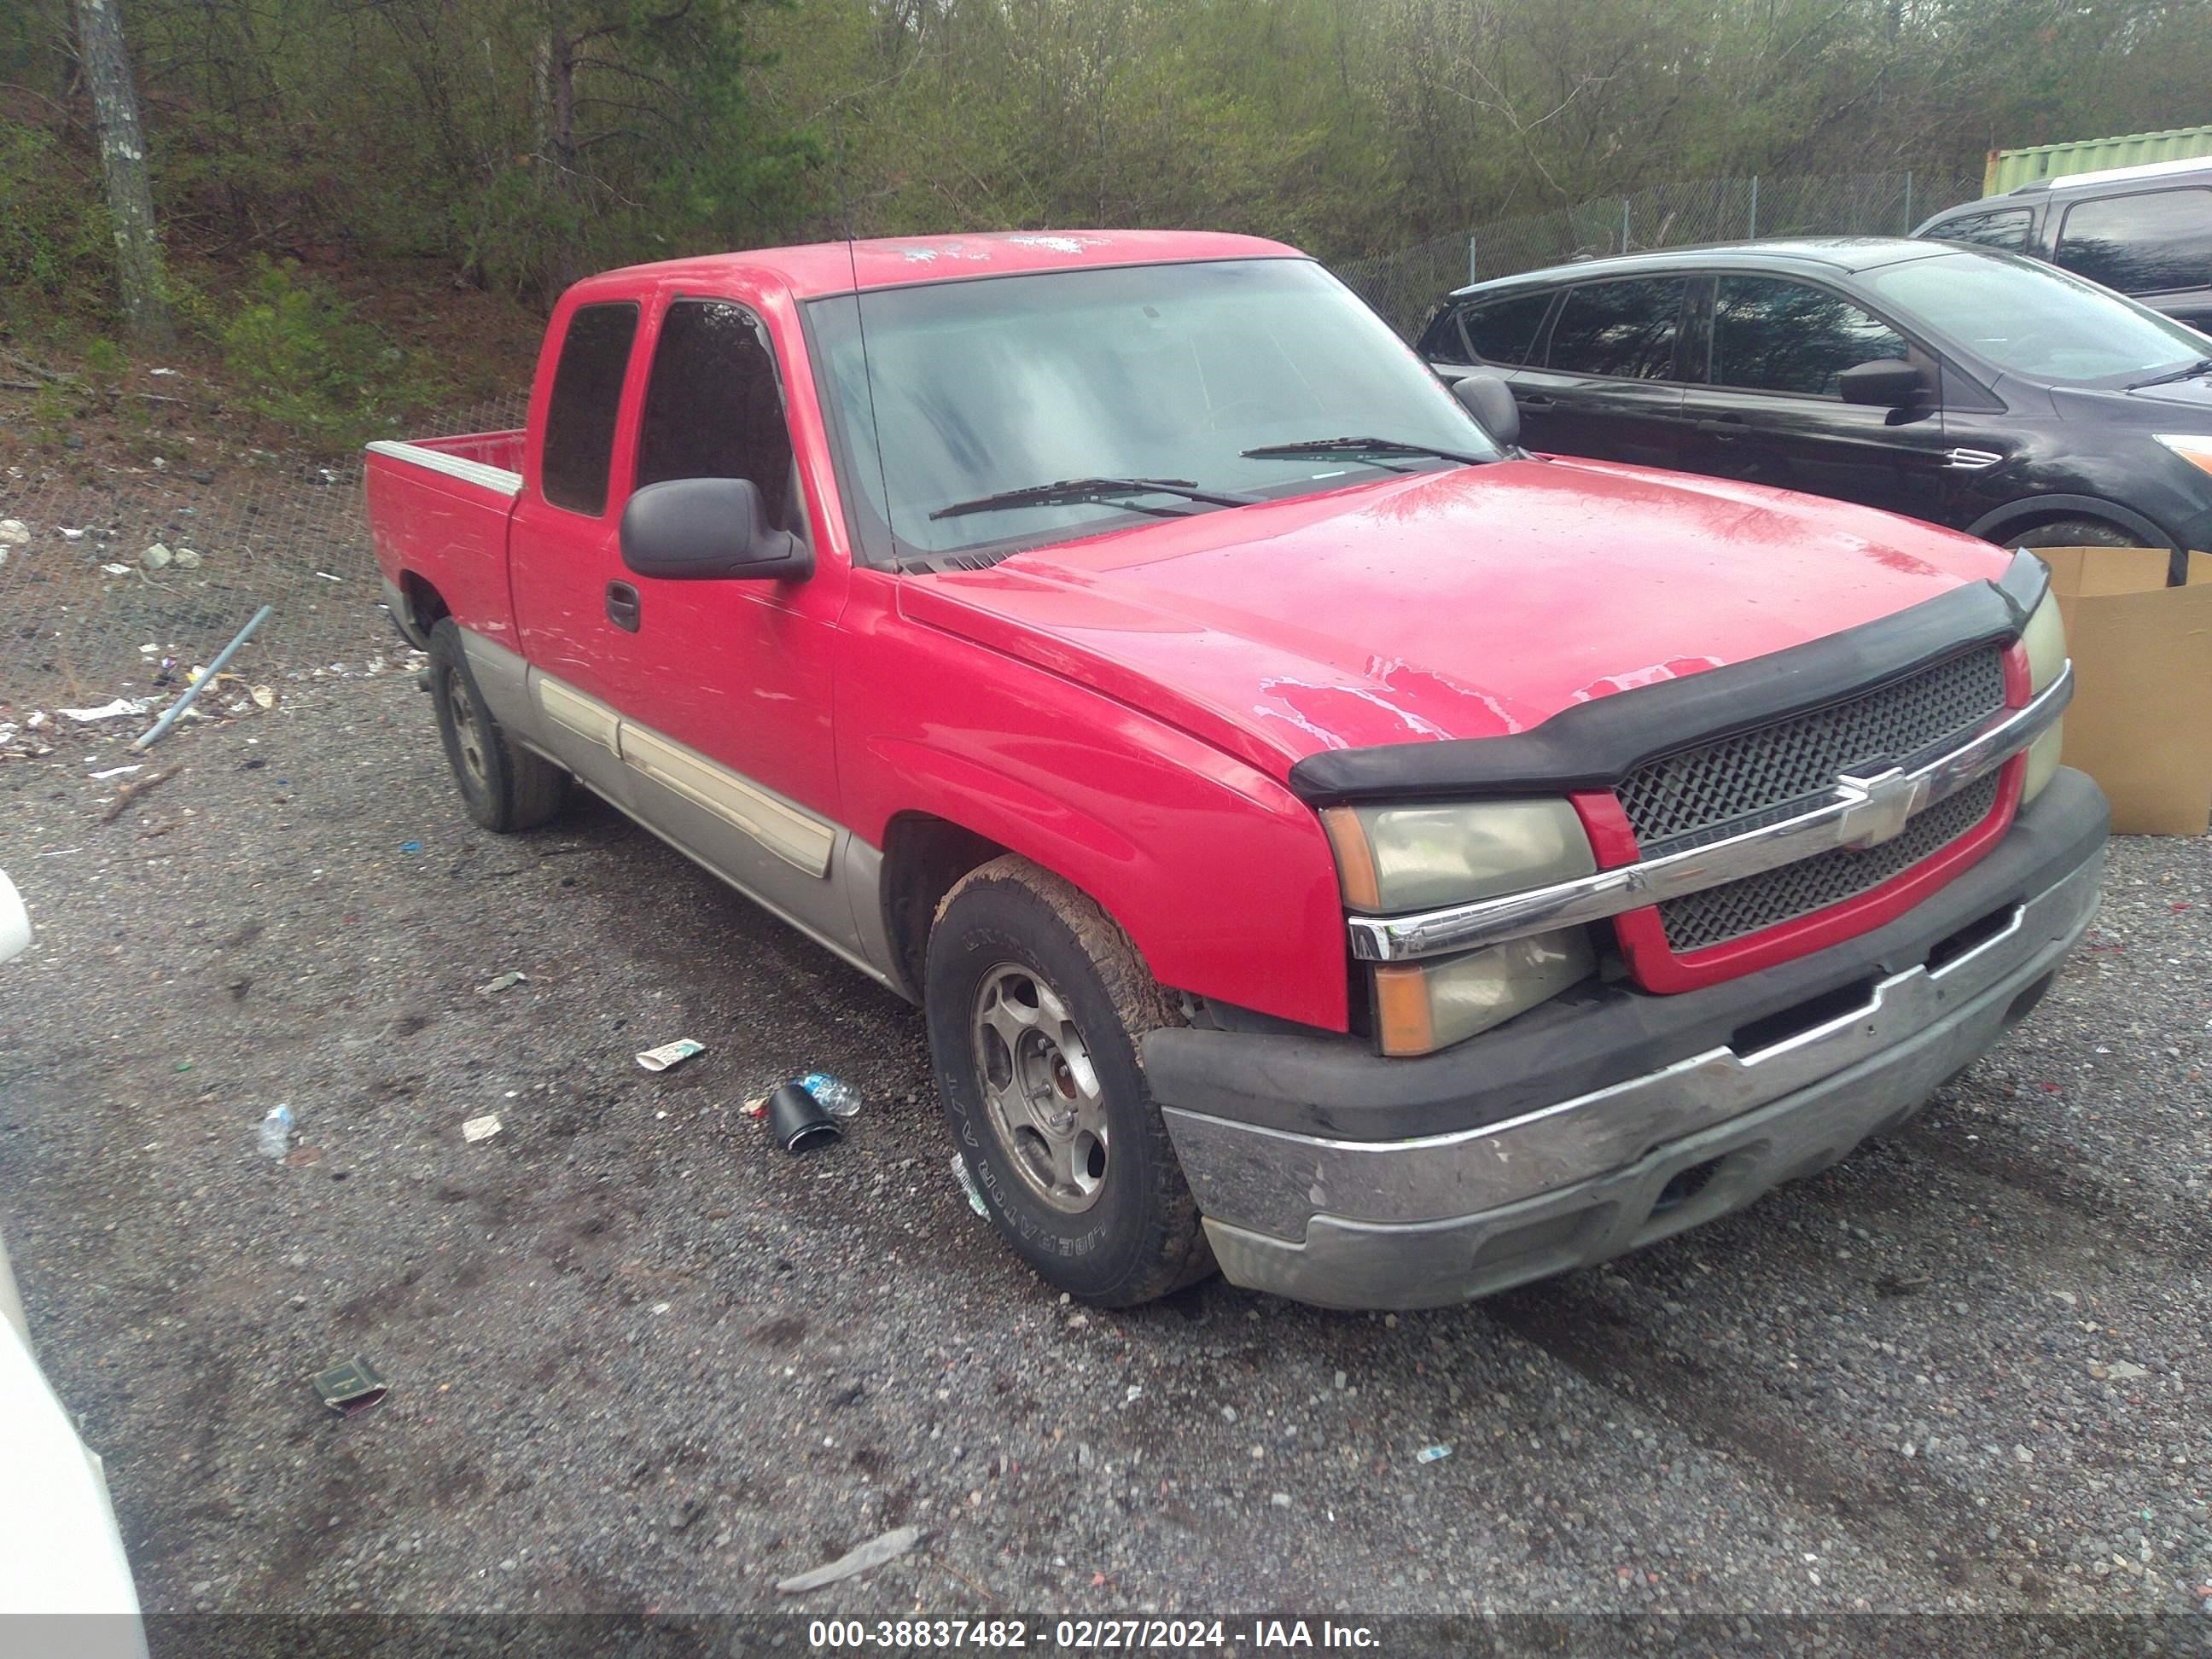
[1037, 1002]
[503, 785]
[2076, 533]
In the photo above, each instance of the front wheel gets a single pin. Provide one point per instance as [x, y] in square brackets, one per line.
[1036, 1004]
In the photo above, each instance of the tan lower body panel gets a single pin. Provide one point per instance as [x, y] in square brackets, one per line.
[805, 869]
[797, 837]
[579, 715]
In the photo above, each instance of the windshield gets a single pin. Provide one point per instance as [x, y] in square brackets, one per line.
[2035, 321]
[1160, 372]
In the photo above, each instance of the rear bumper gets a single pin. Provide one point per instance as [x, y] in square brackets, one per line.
[1632, 1117]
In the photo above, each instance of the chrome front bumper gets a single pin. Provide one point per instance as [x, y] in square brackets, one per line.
[1439, 1218]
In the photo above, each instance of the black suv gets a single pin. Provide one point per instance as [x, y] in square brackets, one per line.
[1972, 388]
[2145, 231]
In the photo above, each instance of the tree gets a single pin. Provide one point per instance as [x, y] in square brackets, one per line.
[123, 169]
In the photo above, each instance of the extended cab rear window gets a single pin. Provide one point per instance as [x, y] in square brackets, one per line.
[579, 421]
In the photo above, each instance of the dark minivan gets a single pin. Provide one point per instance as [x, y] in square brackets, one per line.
[2145, 231]
[1968, 387]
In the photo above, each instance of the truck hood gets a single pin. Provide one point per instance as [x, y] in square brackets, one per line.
[1473, 602]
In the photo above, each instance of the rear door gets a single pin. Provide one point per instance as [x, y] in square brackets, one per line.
[564, 563]
[1603, 380]
[1767, 410]
[2156, 245]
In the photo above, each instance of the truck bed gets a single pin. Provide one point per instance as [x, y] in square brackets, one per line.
[440, 506]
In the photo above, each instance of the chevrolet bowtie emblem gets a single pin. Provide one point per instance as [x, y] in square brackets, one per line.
[1877, 808]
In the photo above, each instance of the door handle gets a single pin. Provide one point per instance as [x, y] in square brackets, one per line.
[1536, 400]
[1726, 428]
[622, 606]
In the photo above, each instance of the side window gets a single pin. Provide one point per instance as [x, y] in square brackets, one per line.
[2007, 229]
[1504, 330]
[1625, 329]
[1773, 335]
[580, 423]
[2145, 243]
[1441, 341]
[711, 407]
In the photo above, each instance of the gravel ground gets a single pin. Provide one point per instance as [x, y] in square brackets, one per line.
[642, 1360]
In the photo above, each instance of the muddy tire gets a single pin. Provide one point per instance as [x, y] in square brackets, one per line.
[503, 785]
[1037, 1004]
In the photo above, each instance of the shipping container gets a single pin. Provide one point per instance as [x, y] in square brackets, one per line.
[2008, 169]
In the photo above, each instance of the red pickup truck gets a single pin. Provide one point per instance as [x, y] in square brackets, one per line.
[1327, 841]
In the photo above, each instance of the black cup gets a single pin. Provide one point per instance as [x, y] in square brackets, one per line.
[797, 1120]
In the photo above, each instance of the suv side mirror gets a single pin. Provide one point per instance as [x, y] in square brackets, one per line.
[700, 529]
[1490, 400]
[1887, 383]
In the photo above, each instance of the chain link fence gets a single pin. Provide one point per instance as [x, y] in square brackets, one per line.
[1403, 285]
[123, 566]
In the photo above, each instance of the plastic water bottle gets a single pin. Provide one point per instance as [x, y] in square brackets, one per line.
[276, 1131]
[833, 1094]
[967, 1185]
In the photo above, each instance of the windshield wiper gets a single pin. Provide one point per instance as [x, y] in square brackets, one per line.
[1364, 446]
[1069, 492]
[2186, 372]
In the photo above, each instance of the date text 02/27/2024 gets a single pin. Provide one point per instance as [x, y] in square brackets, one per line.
[1090, 1635]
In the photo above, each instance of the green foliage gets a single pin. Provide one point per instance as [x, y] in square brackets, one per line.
[55, 260]
[518, 144]
[104, 363]
[305, 361]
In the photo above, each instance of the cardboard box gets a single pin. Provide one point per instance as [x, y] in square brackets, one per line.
[2140, 721]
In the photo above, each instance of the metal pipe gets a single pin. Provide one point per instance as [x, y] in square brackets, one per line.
[146, 739]
[1753, 231]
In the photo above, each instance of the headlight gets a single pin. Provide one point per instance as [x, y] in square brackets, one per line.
[1411, 858]
[2044, 641]
[1421, 1006]
[1395, 858]
[2191, 447]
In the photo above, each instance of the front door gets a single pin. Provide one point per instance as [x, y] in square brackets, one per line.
[725, 695]
[1769, 411]
[2156, 245]
[1606, 386]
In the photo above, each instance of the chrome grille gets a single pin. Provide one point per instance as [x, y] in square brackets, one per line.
[1765, 775]
[1698, 920]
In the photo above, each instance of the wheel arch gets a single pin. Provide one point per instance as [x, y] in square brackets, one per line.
[1220, 878]
[421, 608]
[2034, 510]
[924, 856]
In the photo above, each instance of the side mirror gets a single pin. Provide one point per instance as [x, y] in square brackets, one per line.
[1490, 400]
[1887, 383]
[701, 529]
